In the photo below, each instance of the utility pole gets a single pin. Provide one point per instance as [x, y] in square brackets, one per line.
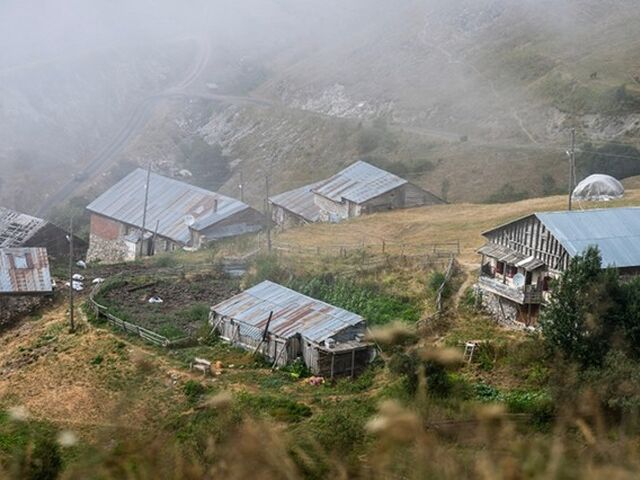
[241, 184]
[267, 212]
[72, 325]
[572, 166]
[146, 202]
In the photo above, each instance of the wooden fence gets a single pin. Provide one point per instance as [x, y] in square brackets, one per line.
[440, 249]
[132, 328]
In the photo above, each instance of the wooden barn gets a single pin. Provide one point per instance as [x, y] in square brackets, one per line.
[521, 257]
[359, 189]
[285, 325]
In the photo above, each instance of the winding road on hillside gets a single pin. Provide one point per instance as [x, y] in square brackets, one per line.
[142, 113]
[138, 118]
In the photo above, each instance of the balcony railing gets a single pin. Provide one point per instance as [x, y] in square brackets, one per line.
[523, 295]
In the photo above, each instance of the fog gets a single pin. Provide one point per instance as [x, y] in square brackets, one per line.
[73, 72]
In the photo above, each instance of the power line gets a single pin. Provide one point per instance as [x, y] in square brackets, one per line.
[613, 155]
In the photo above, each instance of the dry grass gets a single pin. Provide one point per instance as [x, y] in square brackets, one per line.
[445, 223]
[87, 380]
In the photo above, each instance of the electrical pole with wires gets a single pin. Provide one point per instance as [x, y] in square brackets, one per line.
[572, 166]
[72, 325]
[267, 210]
[241, 186]
[144, 211]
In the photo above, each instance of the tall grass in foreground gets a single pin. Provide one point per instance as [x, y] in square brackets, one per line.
[411, 439]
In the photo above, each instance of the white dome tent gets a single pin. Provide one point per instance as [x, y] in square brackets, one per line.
[598, 188]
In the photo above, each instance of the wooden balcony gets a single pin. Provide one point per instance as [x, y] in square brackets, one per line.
[528, 294]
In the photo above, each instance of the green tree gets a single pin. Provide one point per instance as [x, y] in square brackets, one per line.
[583, 310]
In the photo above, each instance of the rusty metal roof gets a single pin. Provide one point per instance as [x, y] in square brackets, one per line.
[358, 183]
[16, 228]
[24, 271]
[176, 205]
[293, 313]
[300, 202]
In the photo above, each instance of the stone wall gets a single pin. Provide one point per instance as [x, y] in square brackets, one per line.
[106, 251]
[504, 311]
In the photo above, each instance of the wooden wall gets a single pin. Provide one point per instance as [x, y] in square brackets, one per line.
[530, 237]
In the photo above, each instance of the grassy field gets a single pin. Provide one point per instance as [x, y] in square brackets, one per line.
[445, 223]
[130, 403]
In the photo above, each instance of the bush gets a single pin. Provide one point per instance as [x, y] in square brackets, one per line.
[580, 318]
[436, 279]
[43, 462]
[193, 391]
[614, 159]
[297, 369]
[507, 193]
[617, 383]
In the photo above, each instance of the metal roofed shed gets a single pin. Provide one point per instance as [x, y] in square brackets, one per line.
[358, 183]
[180, 214]
[285, 325]
[598, 188]
[24, 271]
[21, 230]
[299, 203]
[359, 189]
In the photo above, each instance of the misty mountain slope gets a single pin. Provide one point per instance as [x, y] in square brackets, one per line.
[56, 116]
[472, 67]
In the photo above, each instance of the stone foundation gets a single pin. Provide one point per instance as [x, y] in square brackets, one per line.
[106, 251]
[504, 311]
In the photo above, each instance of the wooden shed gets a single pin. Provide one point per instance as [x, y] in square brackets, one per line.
[285, 325]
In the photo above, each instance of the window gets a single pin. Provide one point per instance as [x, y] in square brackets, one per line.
[500, 268]
[511, 271]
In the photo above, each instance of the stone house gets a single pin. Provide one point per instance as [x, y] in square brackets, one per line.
[522, 257]
[359, 189]
[285, 325]
[178, 216]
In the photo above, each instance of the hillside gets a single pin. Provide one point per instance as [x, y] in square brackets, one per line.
[113, 393]
[465, 97]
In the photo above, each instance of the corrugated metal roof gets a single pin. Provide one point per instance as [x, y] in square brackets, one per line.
[173, 203]
[615, 231]
[510, 256]
[24, 271]
[293, 313]
[300, 201]
[358, 183]
[16, 228]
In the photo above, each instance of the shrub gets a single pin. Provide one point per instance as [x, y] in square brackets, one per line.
[436, 279]
[507, 193]
[297, 369]
[166, 260]
[581, 316]
[193, 390]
